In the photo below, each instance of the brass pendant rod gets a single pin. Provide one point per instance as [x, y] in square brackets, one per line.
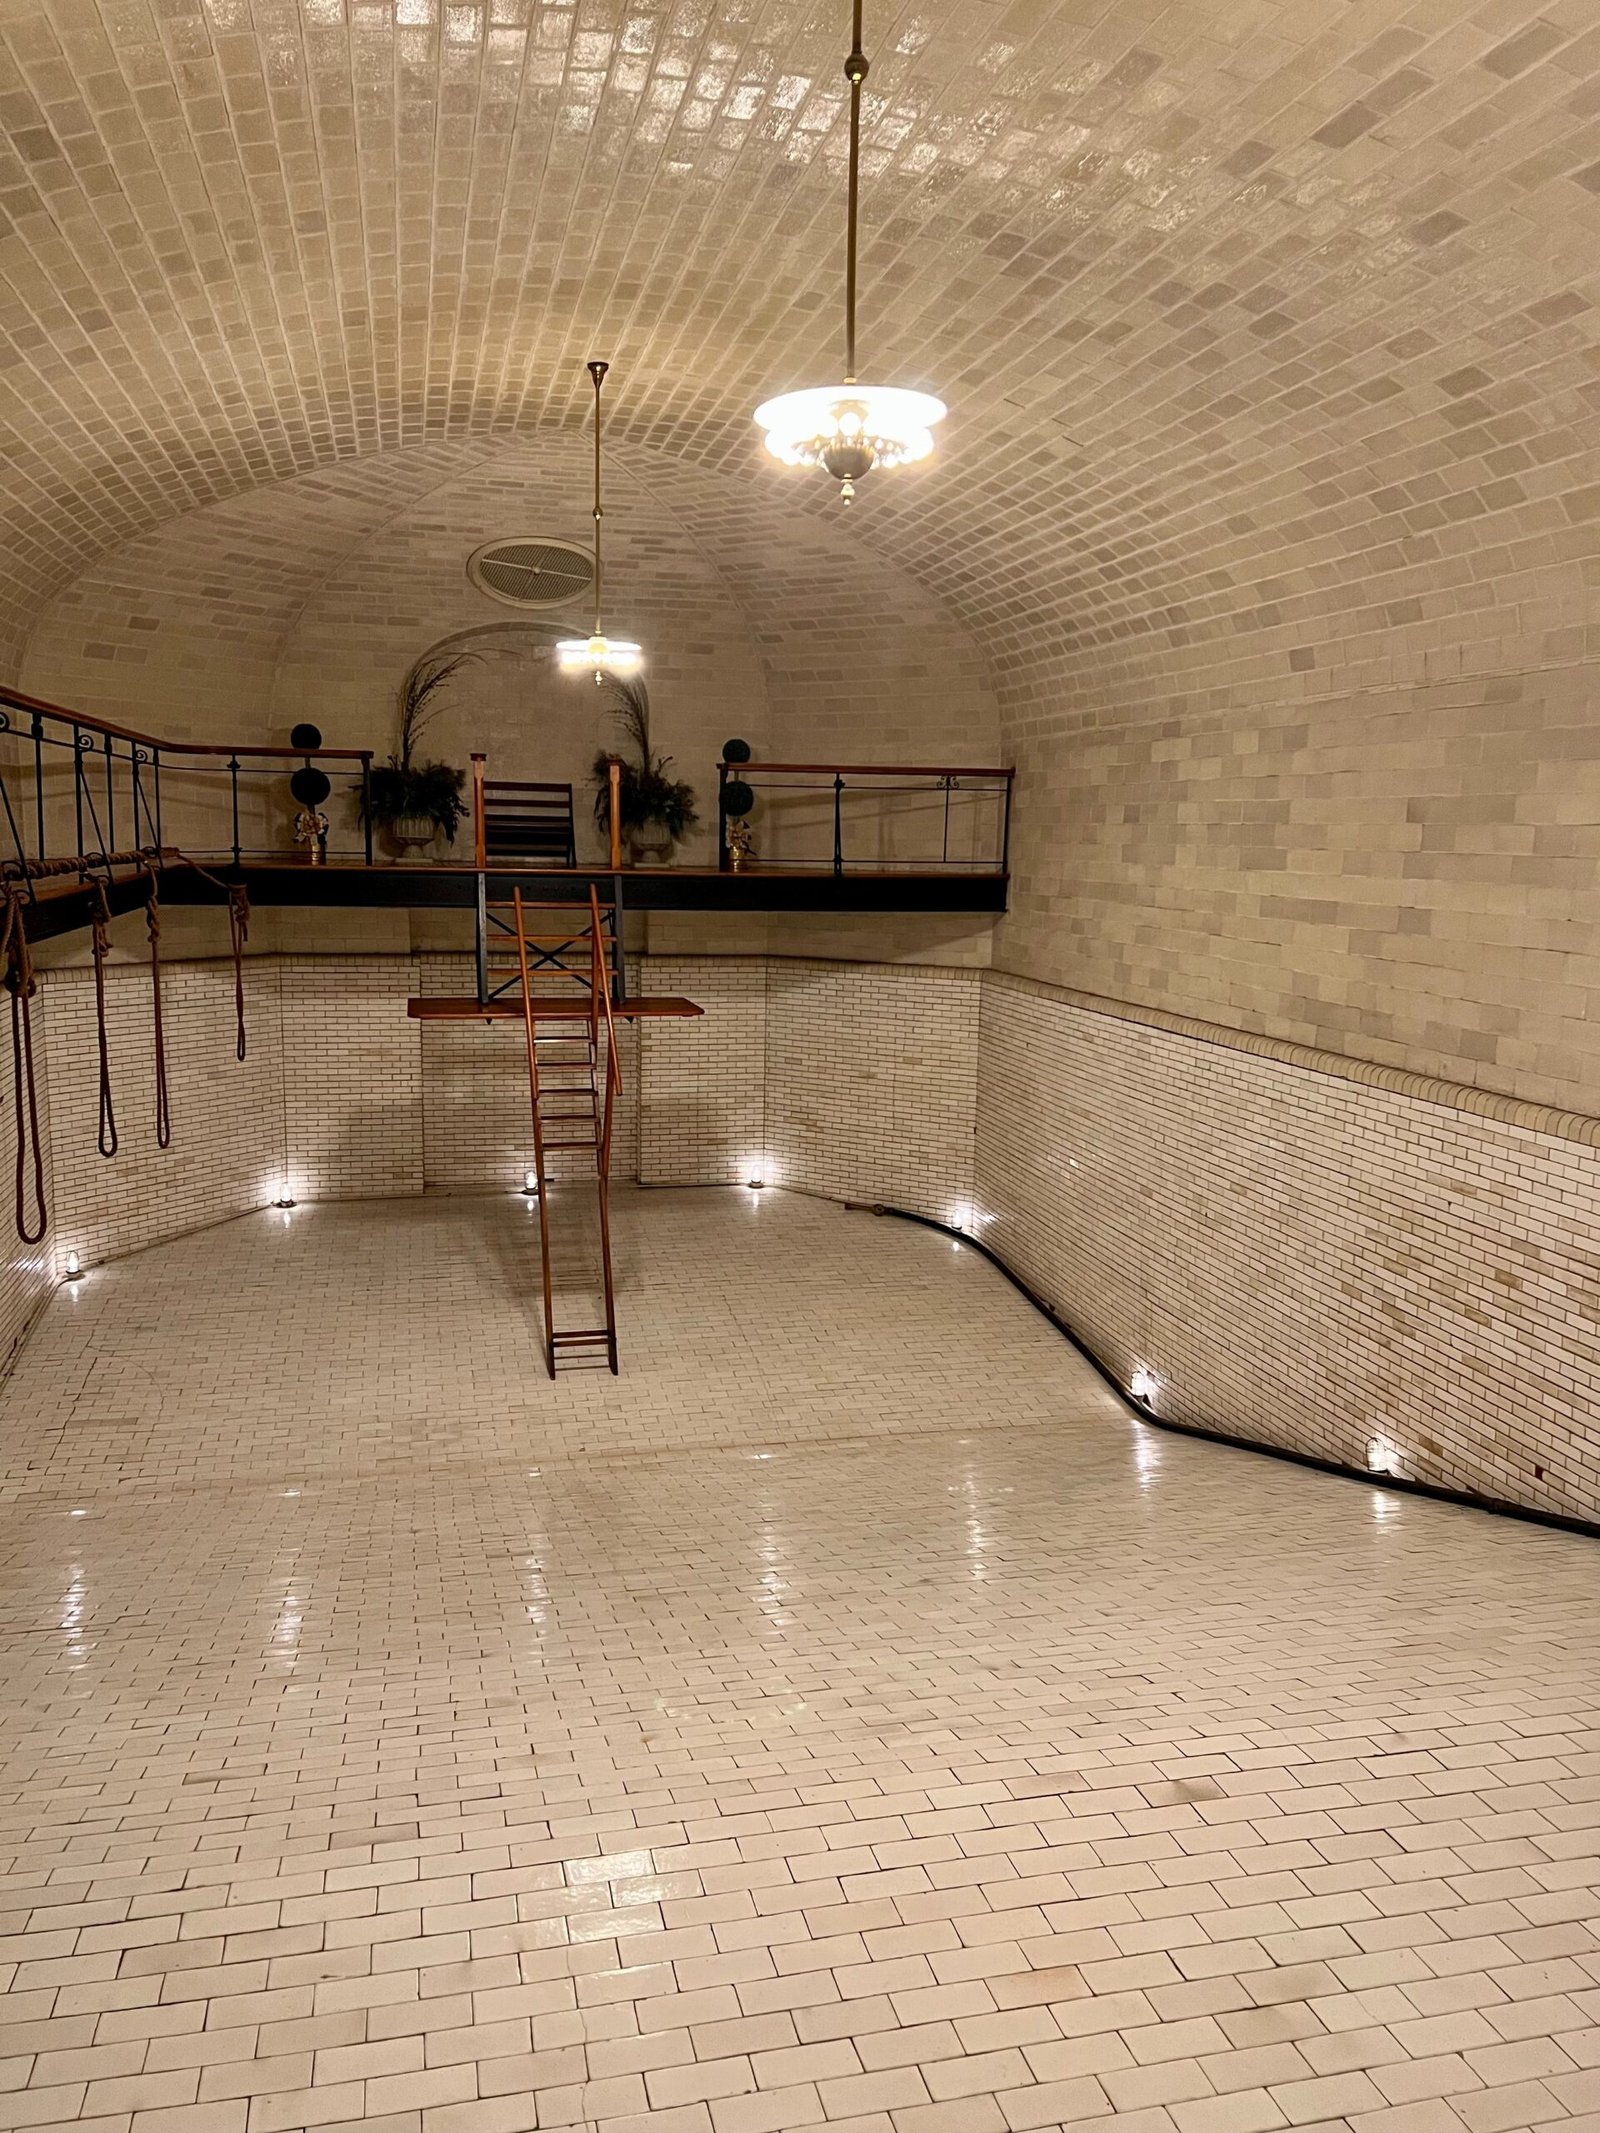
[855, 71]
[597, 371]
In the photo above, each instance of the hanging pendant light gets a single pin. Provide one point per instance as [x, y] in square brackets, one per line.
[851, 428]
[598, 655]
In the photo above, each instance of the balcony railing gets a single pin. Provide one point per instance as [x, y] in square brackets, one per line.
[80, 791]
[869, 817]
[82, 796]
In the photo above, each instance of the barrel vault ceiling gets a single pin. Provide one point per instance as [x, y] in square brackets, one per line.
[1231, 299]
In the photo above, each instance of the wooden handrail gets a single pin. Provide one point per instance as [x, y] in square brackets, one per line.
[480, 844]
[874, 770]
[88, 724]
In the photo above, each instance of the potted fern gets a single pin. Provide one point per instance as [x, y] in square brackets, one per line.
[411, 800]
[655, 809]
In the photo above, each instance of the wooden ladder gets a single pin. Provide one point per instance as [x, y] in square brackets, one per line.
[574, 1080]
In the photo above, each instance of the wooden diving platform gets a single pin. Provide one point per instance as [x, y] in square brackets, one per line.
[559, 1007]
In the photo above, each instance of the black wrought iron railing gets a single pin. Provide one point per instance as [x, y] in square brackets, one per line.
[80, 793]
[864, 817]
[79, 790]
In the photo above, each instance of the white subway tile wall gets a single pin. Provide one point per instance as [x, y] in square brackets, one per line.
[1295, 1257]
[853, 1080]
[871, 1076]
[1345, 1270]
[352, 1077]
[227, 1144]
[703, 1102]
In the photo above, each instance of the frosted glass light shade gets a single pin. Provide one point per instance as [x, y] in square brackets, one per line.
[599, 655]
[850, 429]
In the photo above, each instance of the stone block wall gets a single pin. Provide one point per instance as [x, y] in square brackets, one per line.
[1401, 873]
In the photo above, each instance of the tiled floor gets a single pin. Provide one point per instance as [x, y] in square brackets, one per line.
[848, 1717]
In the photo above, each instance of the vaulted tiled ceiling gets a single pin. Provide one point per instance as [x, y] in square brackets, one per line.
[1243, 307]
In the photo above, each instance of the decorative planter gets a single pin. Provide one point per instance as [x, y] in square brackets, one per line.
[412, 833]
[650, 846]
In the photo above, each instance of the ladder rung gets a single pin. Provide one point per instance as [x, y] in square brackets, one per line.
[579, 911]
[566, 1339]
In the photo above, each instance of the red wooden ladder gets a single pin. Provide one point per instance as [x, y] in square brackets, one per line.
[574, 1080]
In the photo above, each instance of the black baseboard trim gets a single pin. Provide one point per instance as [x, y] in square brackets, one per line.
[1461, 1498]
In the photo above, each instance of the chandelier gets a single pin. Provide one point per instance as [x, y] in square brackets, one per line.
[598, 655]
[851, 428]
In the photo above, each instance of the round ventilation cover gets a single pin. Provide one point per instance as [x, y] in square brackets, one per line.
[531, 571]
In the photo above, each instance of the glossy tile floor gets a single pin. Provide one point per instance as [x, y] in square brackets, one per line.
[847, 1718]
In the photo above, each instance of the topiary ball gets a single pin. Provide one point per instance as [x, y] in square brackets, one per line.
[736, 751]
[310, 787]
[737, 797]
[305, 736]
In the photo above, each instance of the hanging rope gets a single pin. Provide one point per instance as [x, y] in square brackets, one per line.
[152, 927]
[24, 1080]
[100, 942]
[17, 960]
[238, 933]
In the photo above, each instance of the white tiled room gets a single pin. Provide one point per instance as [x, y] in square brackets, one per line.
[801, 1319]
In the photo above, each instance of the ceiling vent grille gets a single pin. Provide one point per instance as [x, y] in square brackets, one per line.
[529, 571]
